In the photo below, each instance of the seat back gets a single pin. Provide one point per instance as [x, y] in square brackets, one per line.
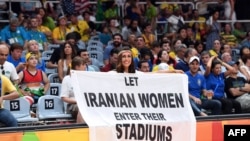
[53, 46]
[54, 78]
[50, 106]
[97, 55]
[95, 43]
[95, 48]
[19, 107]
[54, 89]
[47, 53]
[95, 38]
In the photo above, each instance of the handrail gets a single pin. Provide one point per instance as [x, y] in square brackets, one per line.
[187, 2]
[198, 3]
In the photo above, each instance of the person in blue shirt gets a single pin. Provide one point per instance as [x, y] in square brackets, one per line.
[199, 96]
[13, 33]
[215, 82]
[15, 57]
[35, 34]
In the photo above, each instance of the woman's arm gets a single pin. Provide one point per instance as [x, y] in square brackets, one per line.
[60, 69]
[209, 64]
[46, 82]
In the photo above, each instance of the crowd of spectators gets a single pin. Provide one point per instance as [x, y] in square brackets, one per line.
[167, 36]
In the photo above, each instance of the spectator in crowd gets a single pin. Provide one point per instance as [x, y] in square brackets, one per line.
[105, 36]
[205, 57]
[180, 53]
[44, 29]
[133, 10]
[246, 41]
[60, 32]
[34, 48]
[176, 44]
[13, 33]
[34, 34]
[92, 26]
[213, 29]
[183, 64]
[34, 82]
[244, 51]
[81, 27]
[125, 63]
[215, 82]
[156, 48]
[126, 22]
[175, 21]
[53, 62]
[112, 61]
[143, 66]
[228, 37]
[215, 50]
[190, 40]
[67, 93]
[132, 41]
[133, 28]
[229, 12]
[6, 68]
[226, 48]
[238, 88]
[47, 20]
[83, 53]
[198, 94]
[117, 43]
[151, 13]
[239, 32]
[197, 33]
[112, 26]
[15, 57]
[67, 54]
[201, 19]
[8, 92]
[199, 46]
[147, 34]
[245, 66]
[163, 62]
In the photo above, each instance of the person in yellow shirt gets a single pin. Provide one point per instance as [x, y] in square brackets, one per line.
[6, 86]
[43, 29]
[59, 33]
[147, 35]
[81, 27]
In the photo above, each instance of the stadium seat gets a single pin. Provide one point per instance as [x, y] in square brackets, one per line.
[54, 78]
[47, 53]
[97, 55]
[95, 38]
[95, 48]
[95, 68]
[51, 107]
[95, 43]
[54, 89]
[53, 46]
[20, 108]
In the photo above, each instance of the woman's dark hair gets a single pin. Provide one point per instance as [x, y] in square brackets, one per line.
[242, 49]
[197, 43]
[245, 58]
[120, 67]
[214, 63]
[170, 61]
[63, 55]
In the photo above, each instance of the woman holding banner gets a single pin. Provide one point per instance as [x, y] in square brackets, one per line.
[67, 94]
[125, 63]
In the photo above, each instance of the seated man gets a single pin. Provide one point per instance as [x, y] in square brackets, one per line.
[15, 57]
[238, 88]
[199, 96]
[6, 86]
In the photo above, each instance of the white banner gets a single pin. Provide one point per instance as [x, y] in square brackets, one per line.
[135, 107]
